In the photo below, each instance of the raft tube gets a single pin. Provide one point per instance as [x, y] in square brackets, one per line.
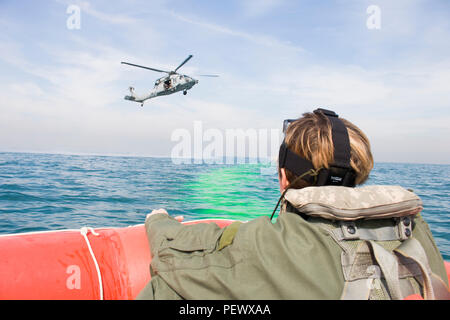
[83, 264]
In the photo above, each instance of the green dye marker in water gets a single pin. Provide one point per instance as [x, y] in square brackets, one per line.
[240, 192]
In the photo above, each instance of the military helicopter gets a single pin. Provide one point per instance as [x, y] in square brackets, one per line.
[166, 85]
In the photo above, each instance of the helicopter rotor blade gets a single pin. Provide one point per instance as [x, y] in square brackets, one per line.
[209, 75]
[186, 60]
[136, 65]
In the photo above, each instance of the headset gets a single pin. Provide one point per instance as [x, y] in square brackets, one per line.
[340, 173]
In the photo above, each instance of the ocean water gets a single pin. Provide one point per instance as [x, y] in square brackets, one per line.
[52, 192]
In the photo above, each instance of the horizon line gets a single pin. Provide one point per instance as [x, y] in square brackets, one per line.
[132, 155]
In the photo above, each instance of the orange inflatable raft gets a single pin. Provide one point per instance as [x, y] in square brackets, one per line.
[105, 263]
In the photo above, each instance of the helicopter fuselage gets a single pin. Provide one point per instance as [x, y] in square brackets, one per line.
[173, 83]
[164, 86]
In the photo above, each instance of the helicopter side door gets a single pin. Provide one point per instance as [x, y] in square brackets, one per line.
[167, 83]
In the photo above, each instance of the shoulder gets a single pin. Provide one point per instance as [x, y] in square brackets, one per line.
[308, 258]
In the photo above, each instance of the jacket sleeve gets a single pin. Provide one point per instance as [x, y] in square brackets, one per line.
[157, 289]
[190, 261]
[423, 233]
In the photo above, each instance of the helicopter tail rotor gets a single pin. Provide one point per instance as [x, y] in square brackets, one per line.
[131, 97]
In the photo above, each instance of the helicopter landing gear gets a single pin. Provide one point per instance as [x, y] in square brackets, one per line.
[142, 104]
[184, 92]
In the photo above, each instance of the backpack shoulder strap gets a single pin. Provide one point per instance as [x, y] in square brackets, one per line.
[433, 286]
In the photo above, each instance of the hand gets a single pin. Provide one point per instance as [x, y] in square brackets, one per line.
[178, 218]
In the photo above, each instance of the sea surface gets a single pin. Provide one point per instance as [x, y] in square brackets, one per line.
[52, 191]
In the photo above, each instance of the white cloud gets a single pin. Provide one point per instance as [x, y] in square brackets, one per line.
[25, 89]
[258, 39]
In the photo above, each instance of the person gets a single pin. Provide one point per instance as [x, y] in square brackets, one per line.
[167, 84]
[331, 239]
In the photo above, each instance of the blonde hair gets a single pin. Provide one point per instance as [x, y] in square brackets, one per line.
[311, 138]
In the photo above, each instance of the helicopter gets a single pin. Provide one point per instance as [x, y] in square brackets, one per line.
[171, 83]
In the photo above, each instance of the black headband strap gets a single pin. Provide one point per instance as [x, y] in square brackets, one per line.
[341, 141]
[293, 162]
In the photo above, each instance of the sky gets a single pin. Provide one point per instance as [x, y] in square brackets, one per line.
[62, 88]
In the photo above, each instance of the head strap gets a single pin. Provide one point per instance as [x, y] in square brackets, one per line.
[292, 161]
[339, 173]
[341, 141]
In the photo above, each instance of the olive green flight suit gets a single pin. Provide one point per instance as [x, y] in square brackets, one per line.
[289, 259]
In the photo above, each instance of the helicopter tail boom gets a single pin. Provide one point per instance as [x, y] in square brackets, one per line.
[140, 99]
[132, 96]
